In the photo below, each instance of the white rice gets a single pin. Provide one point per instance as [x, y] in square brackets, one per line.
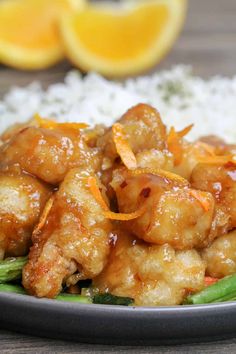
[180, 97]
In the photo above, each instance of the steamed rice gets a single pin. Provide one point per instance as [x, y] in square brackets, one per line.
[181, 98]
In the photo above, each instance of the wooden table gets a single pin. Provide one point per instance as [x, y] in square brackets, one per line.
[208, 43]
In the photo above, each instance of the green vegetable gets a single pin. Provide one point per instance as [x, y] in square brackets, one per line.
[11, 269]
[223, 290]
[9, 288]
[74, 298]
[108, 299]
[229, 297]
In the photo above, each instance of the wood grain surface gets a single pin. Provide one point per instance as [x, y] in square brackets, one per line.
[208, 43]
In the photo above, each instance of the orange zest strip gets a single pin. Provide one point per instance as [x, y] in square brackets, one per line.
[185, 131]
[223, 159]
[201, 199]
[93, 186]
[44, 215]
[162, 173]
[73, 125]
[92, 182]
[175, 146]
[125, 217]
[123, 148]
[50, 124]
[210, 281]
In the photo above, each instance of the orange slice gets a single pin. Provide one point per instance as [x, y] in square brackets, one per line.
[119, 41]
[29, 37]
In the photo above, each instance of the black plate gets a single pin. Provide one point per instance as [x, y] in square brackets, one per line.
[116, 324]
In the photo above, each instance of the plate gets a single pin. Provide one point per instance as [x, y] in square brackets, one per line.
[116, 324]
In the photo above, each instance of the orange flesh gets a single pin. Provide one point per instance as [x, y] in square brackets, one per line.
[117, 36]
[31, 24]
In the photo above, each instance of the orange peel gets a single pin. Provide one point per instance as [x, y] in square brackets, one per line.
[93, 186]
[51, 124]
[122, 147]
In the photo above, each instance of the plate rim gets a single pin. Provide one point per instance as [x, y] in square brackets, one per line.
[118, 325]
[53, 303]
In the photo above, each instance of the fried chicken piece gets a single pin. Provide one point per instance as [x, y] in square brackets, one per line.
[220, 181]
[152, 275]
[220, 257]
[201, 151]
[144, 130]
[146, 136]
[192, 154]
[15, 129]
[220, 146]
[48, 153]
[174, 214]
[22, 199]
[72, 244]
[155, 158]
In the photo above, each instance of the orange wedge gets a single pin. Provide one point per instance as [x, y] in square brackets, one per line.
[29, 37]
[119, 41]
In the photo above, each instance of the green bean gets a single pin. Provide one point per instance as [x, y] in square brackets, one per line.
[109, 299]
[10, 288]
[11, 269]
[106, 299]
[223, 290]
[74, 298]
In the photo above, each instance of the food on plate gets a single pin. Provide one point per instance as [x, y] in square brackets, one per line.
[71, 242]
[48, 154]
[218, 178]
[132, 214]
[220, 256]
[219, 291]
[29, 37]
[22, 200]
[151, 274]
[142, 127]
[116, 41]
[11, 269]
[174, 213]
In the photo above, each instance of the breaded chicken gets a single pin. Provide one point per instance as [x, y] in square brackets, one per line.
[73, 239]
[22, 199]
[152, 275]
